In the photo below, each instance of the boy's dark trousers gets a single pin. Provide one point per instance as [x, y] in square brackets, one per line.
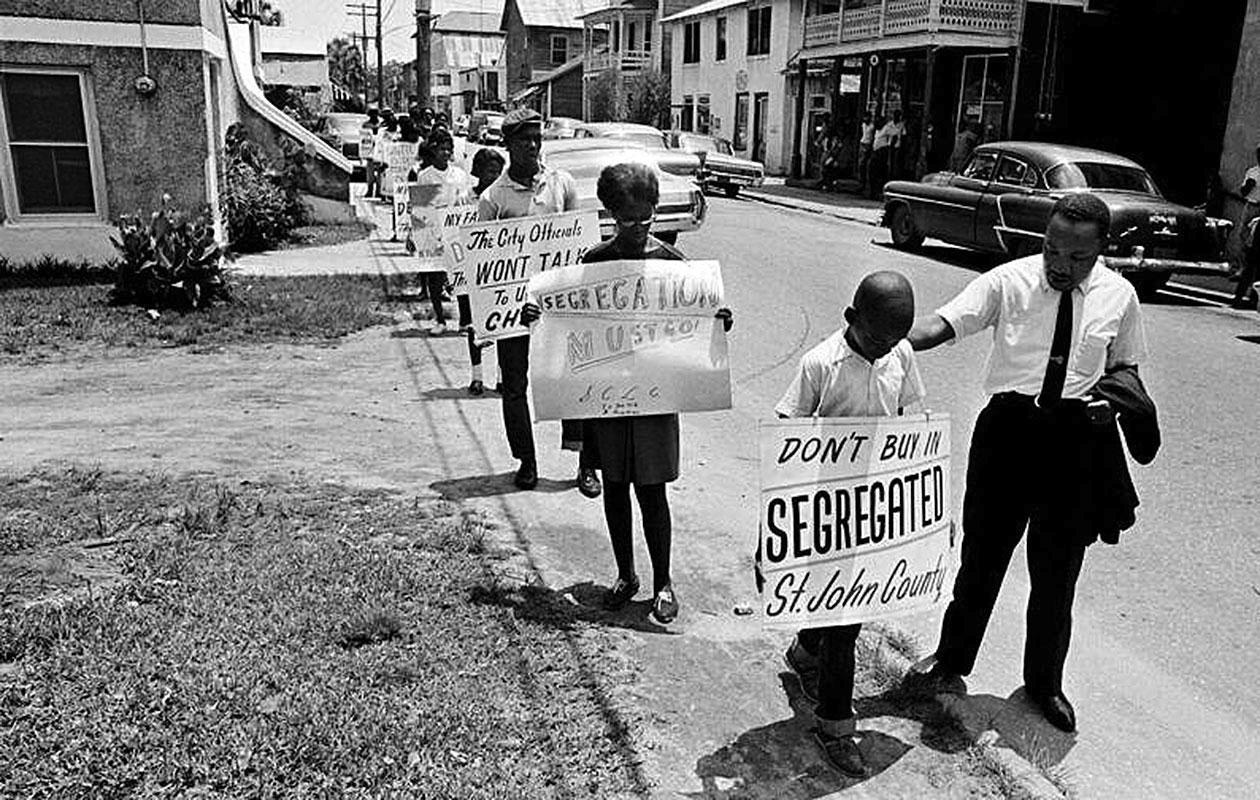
[833, 646]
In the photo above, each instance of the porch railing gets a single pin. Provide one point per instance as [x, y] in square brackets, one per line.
[628, 60]
[995, 18]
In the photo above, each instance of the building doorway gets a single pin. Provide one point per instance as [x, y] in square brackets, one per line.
[761, 109]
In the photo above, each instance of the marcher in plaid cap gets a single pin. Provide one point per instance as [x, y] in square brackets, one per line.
[519, 119]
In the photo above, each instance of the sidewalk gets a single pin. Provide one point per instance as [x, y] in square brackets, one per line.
[846, 204]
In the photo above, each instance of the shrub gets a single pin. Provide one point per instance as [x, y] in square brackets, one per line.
[171, 261]
[260, 206]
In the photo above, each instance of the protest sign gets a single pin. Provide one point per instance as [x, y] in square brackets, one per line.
[499, 258]
[855, 518]
[627, 338]
[402, 211]
[399, 158]
[448, 221]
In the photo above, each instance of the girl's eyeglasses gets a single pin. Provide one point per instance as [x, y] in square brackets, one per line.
[635, 223]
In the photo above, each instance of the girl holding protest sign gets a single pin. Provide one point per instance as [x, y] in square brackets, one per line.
[438, 185]
[639, 450]
[486, 167]
[866, 369]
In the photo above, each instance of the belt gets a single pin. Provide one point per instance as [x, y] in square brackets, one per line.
[1030, 401]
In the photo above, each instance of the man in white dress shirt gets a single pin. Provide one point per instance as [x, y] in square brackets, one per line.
[1061, 320]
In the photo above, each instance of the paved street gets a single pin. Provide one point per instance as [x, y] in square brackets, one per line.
[1162, 665]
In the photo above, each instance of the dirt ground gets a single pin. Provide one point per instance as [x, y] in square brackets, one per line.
[713, 713]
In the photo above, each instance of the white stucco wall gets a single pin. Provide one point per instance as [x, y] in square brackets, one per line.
[721, 79]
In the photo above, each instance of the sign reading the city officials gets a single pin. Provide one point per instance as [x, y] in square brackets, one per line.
[855, 518]
[626, 338]
[498, 259]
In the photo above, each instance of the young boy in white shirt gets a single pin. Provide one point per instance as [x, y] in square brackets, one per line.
[865, 369]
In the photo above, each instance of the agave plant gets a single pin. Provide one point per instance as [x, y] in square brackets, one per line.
[168, 261]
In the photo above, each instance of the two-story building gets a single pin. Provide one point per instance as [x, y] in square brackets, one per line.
[542, 37]
[107, 106]
[466, 51]
[727, 74]
[942, 64]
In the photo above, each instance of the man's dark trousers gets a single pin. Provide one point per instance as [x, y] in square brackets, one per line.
[1023, 466]
[514, 366]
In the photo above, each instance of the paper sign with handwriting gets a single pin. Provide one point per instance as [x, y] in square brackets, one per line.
[498, 259]
[628, 338]
[855, 518]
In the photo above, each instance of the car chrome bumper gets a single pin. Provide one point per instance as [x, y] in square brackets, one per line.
[732, 179]
[1142, 264]
[664, 223]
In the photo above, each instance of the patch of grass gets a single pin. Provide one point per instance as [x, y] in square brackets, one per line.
[287, 640]
[329, 234]
[41, 323]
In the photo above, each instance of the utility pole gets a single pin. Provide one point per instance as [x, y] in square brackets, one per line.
[380, 59]
[424, 76]
[360, 10]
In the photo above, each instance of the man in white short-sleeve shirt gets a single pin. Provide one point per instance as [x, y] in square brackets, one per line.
[1061, 321]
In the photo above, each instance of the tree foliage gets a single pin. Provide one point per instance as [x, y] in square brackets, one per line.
[641, 97]
[606, 98]
[345, 65]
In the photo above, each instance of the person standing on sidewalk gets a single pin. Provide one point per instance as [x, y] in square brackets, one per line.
[865, 142]
[528, 188]
[439, 185]
[880, 150]
[639, 450]
[487, 165]
[1061, 321]
[866, 369]
[1249, 191]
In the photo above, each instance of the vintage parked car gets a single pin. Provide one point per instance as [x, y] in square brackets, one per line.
[1001, 201]
[486, 127]
[675, 162]
[343, 130]
[682, 205]
[460, 126]
[560, 127]
[720, 168]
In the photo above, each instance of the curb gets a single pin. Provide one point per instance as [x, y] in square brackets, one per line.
[1030, 783]
[810, 207]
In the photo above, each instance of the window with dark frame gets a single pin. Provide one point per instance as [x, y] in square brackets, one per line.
[740, 140]
[759, 31]
[559, 49]
[691, 43]
[719, 51]
[48, 142]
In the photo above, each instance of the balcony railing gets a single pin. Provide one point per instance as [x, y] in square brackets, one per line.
[995, 18]
[628, 60]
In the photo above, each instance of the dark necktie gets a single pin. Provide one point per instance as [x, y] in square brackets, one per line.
[1056, 369]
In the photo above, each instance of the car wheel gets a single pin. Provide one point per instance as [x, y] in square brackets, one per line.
[1148, 284]
[731, 191]
[905, 233]
[668, 237]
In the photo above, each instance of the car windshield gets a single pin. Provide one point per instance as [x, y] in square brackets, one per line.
[1092, 175]
[698, 144]
[344, 124]
[587, 164]
[651, 140]
[494, 121]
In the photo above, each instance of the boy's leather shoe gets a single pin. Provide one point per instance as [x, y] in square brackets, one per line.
[588, 482]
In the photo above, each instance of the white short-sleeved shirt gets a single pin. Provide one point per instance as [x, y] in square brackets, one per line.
[834, 381]
[1016, 301]
[1253, 175]
[443, 187]
[551, 192]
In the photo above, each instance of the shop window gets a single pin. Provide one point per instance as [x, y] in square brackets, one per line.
[632, 36]
[688, 113]
[719, 52]
[740, 139]
[48, 162]
[691, 43]
[759, 31]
